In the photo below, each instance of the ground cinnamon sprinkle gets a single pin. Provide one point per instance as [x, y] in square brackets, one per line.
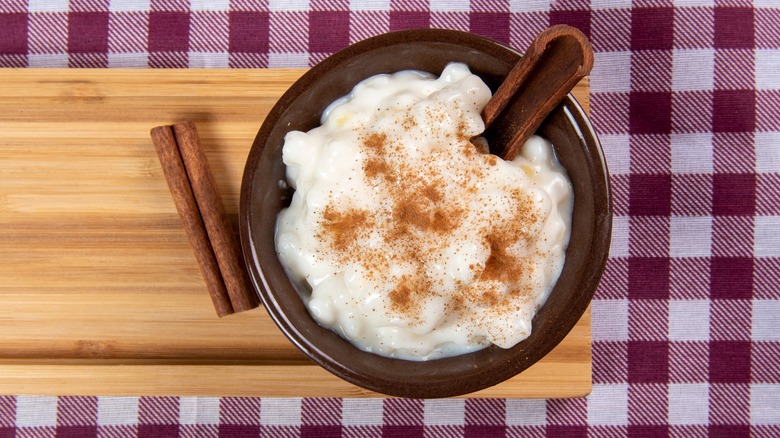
[462, 136]
[500, 265]
[343, 228]
[446, 220]
[431, 192]
[420, 209]
[408, 212]
[409, 122]
[375, 167]
[489, 299]
[375, 141]
[401, 297]
[456, 304]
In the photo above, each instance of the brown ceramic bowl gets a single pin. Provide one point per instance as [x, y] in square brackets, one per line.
[575, 143]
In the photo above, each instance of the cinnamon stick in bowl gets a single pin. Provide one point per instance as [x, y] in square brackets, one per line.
[204, 218]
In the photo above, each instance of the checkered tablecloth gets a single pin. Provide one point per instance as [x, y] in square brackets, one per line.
[685, 97]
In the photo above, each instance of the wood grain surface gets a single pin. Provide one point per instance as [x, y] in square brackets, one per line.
[100, 292]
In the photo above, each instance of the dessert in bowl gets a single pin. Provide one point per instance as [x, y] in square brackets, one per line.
[265, 193]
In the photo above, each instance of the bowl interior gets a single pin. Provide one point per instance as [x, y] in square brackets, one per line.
[262, 198]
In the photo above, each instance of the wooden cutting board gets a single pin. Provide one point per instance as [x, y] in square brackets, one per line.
[100, 293]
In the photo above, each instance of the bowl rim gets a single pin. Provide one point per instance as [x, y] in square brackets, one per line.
[601, 226]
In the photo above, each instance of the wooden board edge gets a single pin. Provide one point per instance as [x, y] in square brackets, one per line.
[567, 380]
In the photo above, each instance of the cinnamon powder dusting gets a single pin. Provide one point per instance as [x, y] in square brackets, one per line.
[401, 297]
[432, 192]
[501, 265]
[375, 141]
[410, 212]
[427, 207]
[343, 228]
[373, 168]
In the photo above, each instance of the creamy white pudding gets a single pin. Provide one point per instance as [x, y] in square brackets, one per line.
[405, 236]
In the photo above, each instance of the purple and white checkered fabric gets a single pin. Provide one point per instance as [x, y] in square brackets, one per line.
[685, 96]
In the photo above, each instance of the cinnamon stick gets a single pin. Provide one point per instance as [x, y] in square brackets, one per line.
[203, 214]
[549, 69]
[179, 184]
[212, 210]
